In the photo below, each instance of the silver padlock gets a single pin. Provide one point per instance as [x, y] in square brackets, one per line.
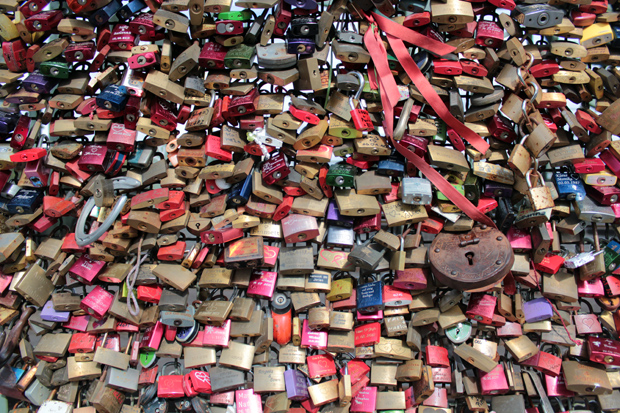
[123, 380]
[37, 393]
[56, 406]
[417, 191]
[340, 236]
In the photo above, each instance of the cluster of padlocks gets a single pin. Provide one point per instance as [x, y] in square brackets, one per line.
[338, 206]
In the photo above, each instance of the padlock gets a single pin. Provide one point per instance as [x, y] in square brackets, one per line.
[540, 196]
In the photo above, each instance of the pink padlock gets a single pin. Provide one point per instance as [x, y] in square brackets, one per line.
[262, 284]
[248, 402]
[493, 382]
[86, 269]
[151, 339]
[313, 339]
[77, 323]
[365, 400]
[97, 302]
[216, 336]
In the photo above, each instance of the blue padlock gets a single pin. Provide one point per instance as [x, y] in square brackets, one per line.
[128, 10]
[113, 98]
[570, 186]
[104, 14]
[369, 295]
[392, 166]
[240, 192]
[26, 201]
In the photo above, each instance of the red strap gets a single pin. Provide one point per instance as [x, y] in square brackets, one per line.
[389, 100]
[433, 99]
[444, 186]
[384, 74]
[411, 36]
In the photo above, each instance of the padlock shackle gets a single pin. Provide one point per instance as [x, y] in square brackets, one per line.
[401, 126]
[81, 238]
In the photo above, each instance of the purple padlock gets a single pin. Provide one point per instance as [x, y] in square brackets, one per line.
[538, 309]
[335, 218]
[8, 122]
[296, 385]
[49, 314]
[299, 45]
[497, 190]
[37, 83]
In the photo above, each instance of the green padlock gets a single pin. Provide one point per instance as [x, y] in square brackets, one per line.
[341, 175]
[458, 187]
[372, 95]
[52, 68]
[148, 359]
[612, 256]
[242, 15]
[240, 57]
[472, 188]
[442, 131]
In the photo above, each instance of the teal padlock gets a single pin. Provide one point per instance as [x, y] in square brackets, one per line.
[459, 333]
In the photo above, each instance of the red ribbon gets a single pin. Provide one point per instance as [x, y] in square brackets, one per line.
[390, 96]
[413, 37]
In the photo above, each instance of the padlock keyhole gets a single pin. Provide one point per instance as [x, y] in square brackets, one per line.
[470, 257]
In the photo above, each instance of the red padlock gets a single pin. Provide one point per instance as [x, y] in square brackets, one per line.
[489, 34]
[80, 52]
[170, 386]
[417, 19]
[283, 16]
[122, 38]
[320, 365]
[149, 293]
[437, 356]
[97, 302]
[361, 117]
[481, 308]
[411, 278]
[447, 67]
[587, 121]
[43, 21]
[14, 53]
[545, 68]
[212, 56]
[473, 68]
[32, 7]
[367, 335]
[275, 169]
[172, 252]
[82, 343]
[213, 148]
[304, 116]
[589, 165]
[201, 381]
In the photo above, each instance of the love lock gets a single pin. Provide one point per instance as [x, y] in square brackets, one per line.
[120, 183]
[471, 261]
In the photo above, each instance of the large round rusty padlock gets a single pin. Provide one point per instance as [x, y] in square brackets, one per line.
[471, 261]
